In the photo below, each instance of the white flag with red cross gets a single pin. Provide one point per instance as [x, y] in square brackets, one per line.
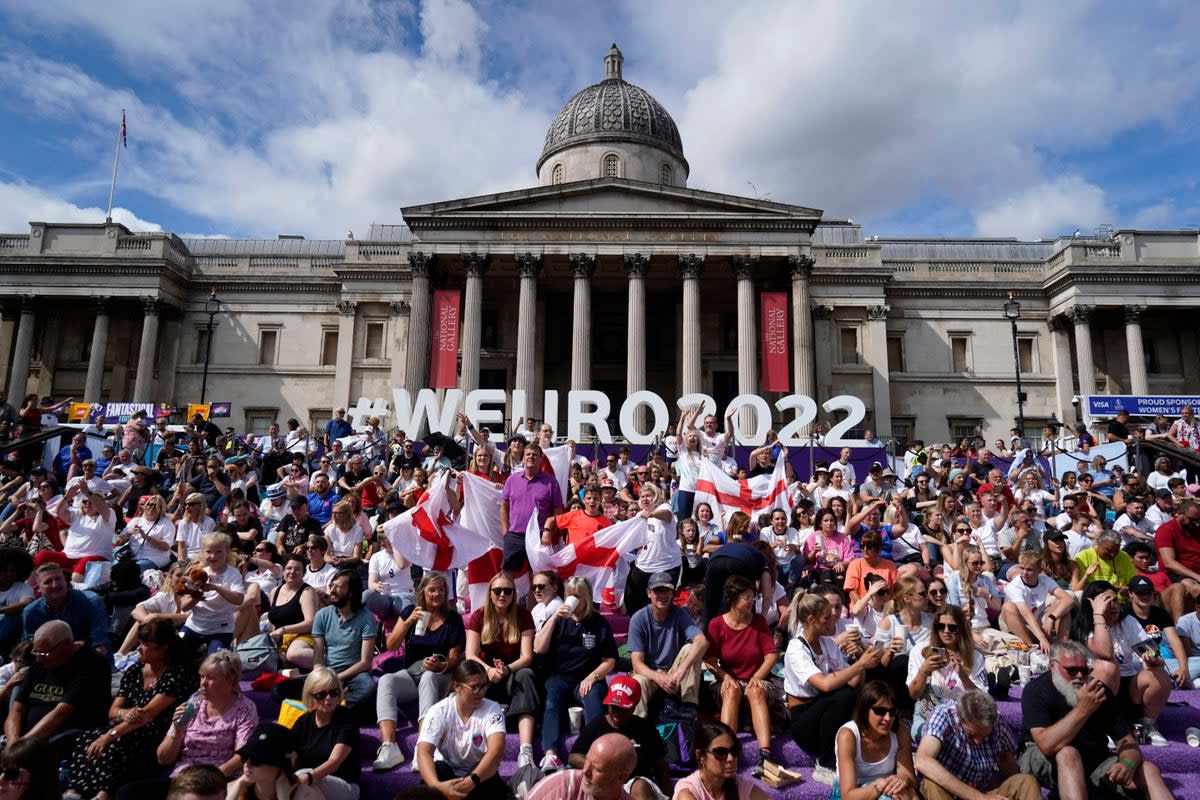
[597, 557]
[428, 536]
[752, 496]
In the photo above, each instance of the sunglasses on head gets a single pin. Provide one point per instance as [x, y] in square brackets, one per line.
[502, 591]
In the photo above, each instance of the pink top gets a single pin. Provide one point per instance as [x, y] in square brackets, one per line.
[212, 741]
[838, 547]
[692, 783]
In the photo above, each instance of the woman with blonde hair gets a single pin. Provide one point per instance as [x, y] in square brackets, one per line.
[580, 653]
[972, 590]
[345, 537]
[191, 526]
[500, 637]
[327, 739]
[212, 592]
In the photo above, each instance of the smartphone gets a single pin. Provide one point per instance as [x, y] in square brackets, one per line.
[937, 651]
[437, 657]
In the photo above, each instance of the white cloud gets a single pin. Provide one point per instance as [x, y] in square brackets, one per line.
[21, 204]
[1047, 210]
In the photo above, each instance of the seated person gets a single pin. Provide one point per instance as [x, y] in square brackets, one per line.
[462, 742]
[874, 751]
[82, 610]
[1157, 623]
[15, 593]
[291, 609]
[1070, 717]
[1035, 607]
[948, 666]
[666, 647]
[607, 767]
[295, 530]
[1188, 628]
[1106, 561]
[327, 739]
[650, 779]
[1145, 562]
[211, 597]
[268, 774]
[1178, 544]
[871, 562]
[67, 689]
[715, 751]
[968, 751]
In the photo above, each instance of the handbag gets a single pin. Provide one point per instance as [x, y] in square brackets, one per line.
[259, 654]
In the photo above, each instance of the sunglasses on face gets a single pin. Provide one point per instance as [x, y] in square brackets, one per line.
[945, 627]
[540, 587]
[12, 775]
[883, 711]
[722, 753]
[1075, 672]
[326, 694]
[937, 591]
[502, 591]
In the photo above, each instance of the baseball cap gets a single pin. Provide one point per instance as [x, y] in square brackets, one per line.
[875, 466]
[660, 579]
[271, 744]
[1054, 534]
[512, 439]
[1140, 583]
[623, 692]
[276, 492]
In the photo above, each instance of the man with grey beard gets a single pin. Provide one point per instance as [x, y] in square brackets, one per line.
[1070, 713]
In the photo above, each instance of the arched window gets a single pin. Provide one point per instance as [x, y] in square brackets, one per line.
[557, 175]
[665, 176]
[612, 166]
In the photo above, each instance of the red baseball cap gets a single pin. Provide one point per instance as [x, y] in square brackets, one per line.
[623, 692]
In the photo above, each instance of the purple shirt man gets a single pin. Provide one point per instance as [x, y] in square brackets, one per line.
[525, 493]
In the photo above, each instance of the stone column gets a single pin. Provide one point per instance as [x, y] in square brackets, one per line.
[528, 267]
[802, 334]
[690, 268]
[475, 265]
[8, 331]
[1081, 316]
[143, 383]
[823, 355]
[582, 267]
[93, 386]
[878, 359]
[1137, 355]
[400, 310]
[747, 340]
[22, 352]
[636, 267]
[347, 311]
[1064, 389]
[416, 369]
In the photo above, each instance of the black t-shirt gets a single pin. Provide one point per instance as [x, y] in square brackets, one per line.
[355, 478]
[451, 633]
[645, 737]
[752, 561]
[1042, 705]
[1118, 429]
[403, 460]
[577, 648]
[1157, 621]
[293, 534]
[83, 682]
[232, 529]
[314, 744]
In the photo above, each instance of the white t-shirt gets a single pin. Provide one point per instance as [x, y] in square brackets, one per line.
[543, 611]
[397, 579]
[771, 612]
[1123, 522]
[979, 607]
[1017, 591]
[868, 621]
[661, 551]
[1189, 625]
[161, 602]
[800, 663]
[90, 535]
[914, 637]
[987, 535]
[688, 470]
[1157, 516]
[162, 530]
[780, 542]
[461, 744]
[849, 478]
[319, 579]
[945, 683]
[266, 580]
[1125, 636]
[213, 613]
[344, 543]
[15, 593]
[193, 533]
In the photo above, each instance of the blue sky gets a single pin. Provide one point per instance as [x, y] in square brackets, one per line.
[1026, 119]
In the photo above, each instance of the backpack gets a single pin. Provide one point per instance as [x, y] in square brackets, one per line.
[259, 654]
[678, 728]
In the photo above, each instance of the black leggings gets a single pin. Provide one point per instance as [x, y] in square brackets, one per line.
[814, 727]
[494, 787]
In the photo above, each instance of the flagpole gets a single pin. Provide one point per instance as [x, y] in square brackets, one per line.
[116, 163]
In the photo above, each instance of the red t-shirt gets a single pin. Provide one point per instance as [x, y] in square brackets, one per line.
[1160, 580]
[1186, 546]
[54, 528]
[504, 651]
[742, 652]
[579, 526]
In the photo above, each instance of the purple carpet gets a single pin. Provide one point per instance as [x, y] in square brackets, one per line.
[1179, 762]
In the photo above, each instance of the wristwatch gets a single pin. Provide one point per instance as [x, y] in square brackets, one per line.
[474, 778]
[1053, 618]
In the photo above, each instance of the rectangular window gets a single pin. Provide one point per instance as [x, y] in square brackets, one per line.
[960, 354]
[895, 352]
[318, 418]
[1025, 351]
[965, 427]
[903, 429]
[848, 346]
[258, 420]
[489, 331]
[268, 340]
[201, 346]
[373, 340]
[329, 348]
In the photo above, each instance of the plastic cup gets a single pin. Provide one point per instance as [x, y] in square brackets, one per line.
[899, 633]
[854, 628]
[575, 715]
[1193, 736]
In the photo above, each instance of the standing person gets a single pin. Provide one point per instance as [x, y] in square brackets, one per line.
[461, 744]
[609, 763]
[526, 493]
[715, 752]
[660, 553]
[327, 739]
[969, 752]
[874, 750]
[821, 686]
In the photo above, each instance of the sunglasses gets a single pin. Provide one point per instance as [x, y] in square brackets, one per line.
[722, 753]
[883, 711]
[540, 587]
[12, 775]
[502, 591]
[326, 694]
[192, 504]
[962, 530]
[1075, 672]
[948, 627]
[938, 591]
[974, 563]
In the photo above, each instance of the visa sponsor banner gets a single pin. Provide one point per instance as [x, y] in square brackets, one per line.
[773, 347]
[443, 369]
[1140, 405]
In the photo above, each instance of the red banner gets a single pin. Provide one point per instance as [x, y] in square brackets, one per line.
[443, 367]
[773, 328]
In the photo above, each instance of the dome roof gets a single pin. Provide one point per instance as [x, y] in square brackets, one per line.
[612, 110]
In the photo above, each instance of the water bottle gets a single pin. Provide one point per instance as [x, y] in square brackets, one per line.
[64, 774]
[189, 710]
[422, 624]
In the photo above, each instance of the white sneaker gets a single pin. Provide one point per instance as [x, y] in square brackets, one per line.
[550, 763]
[1153, 734]
[824, 775]
[388, 757]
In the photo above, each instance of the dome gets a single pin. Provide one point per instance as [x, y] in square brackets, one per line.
[612, 110]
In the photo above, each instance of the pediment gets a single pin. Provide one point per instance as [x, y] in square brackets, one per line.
[607, 198]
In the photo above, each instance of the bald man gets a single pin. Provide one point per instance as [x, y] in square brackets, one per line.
[609, 763]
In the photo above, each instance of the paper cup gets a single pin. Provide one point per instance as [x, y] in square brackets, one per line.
[572, 602]
[575, 715]
[1193, 736]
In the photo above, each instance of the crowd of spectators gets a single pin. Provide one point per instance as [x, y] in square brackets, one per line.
[869, 619]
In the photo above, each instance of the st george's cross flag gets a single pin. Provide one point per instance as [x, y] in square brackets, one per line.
[598, 557]
[429, 536]
[752, 496]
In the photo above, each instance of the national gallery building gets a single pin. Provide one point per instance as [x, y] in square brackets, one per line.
[611, 273]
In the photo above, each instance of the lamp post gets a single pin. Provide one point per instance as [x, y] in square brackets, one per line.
[212, 305]
[1012, 310]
